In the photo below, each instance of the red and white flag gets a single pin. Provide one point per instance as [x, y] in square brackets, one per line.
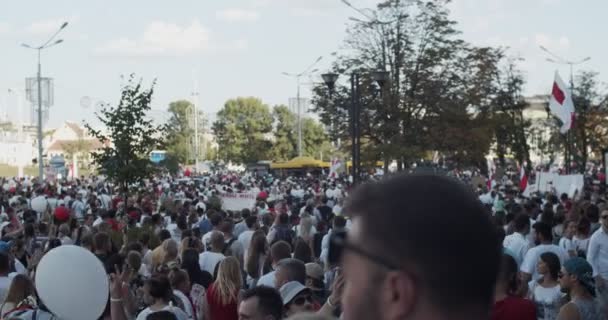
[523, 178]
[561, 104]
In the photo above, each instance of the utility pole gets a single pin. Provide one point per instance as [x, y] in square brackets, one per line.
[47, 44]
[306, 72]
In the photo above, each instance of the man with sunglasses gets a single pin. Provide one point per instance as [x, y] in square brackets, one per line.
[597, 255]
[296, 298]
[420, 247]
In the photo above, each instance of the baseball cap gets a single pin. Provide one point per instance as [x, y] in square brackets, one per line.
[314, 270]
[290, 290]
[5, 247]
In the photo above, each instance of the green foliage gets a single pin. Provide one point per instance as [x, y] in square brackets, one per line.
[285, 134]
[179, 130]
[129, 136]
[442, 93]
[590, 133]
[242, 130]
[315, 141]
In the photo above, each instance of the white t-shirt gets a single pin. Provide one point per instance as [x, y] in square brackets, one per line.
[245, 240]
[566, 244]
[518, 244]
[207, 240]
[533, 255]
[597, 255]
[547, 301]
[39, 204]
[208, 260]
[268, 280]
[580, 244]
[179, 313]
[186, 302]
[176, 233]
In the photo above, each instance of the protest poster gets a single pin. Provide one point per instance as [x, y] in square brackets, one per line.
[238, 201]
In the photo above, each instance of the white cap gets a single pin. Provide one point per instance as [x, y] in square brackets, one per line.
[290, 290]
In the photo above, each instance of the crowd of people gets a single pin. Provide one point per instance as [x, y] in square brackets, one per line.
[403, 247]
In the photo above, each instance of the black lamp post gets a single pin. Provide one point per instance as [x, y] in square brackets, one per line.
[380, 77]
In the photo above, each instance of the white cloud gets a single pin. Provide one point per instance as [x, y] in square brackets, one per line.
[160, 39]
[237, 15]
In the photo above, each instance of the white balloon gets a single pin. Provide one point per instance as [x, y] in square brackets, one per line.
[72, 283]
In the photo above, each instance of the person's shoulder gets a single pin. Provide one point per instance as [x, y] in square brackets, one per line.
[568, 311]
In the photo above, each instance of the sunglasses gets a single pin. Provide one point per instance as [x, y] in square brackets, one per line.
[299, 301]
[338, 244]
[604, 217]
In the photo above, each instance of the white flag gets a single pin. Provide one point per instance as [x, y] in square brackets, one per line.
[561, 104]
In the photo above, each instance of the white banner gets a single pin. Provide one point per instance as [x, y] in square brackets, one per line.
[238, 201]
[568, 184]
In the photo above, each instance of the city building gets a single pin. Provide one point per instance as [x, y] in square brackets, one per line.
[71, 140]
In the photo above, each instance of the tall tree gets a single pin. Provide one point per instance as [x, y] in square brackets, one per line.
[434, 76]
[243, 129]
[284, 146]
[129, 136]
[591, 104]
[315, 141]
[180, 131]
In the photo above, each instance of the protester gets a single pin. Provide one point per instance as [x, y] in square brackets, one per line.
[157, 294]
[20, 289]
[180, 283]
[507, 305]
[288, 270]
[255, 265]
[315, 282]
[222, 295]
[261, 303]
[302, 250]
[597, 255]
[209, 260]
[576, 279]
[517, 242]
[568, 235]
[296, 298]
[389, 253]
[582, 237]
[544, 240]
[245, 237]
[546, 292]
[278, 251]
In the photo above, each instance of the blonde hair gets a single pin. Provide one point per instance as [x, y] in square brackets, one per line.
[229, 281]
[21, 287]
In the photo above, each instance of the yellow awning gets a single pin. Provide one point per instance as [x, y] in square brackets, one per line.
[300, 162]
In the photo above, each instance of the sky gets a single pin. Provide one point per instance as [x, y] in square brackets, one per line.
[228, 48]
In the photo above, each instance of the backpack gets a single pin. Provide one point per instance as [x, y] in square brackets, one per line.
[226, 251]
[283, 233]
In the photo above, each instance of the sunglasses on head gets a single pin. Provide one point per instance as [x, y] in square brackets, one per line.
[302, 300]
[338, 244]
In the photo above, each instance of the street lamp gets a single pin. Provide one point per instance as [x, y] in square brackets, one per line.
[49, 43]
[381, 78]
[307, 71]
[556, 59]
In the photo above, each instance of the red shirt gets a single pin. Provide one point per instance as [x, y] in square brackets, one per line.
[513, 308]
[219, 311]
